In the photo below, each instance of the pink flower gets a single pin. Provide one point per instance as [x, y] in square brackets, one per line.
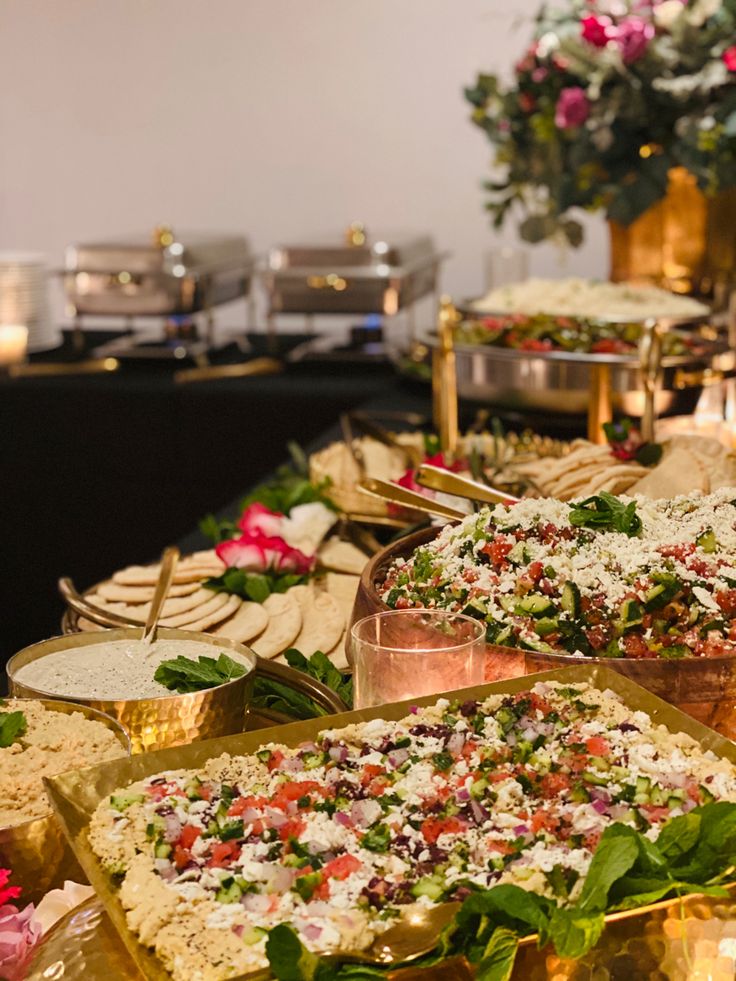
[257, 519]
[257, 552]
[572, 107]
[11, 892]
[633, 37]
[598, 31]
[729, 58]
[19, 933]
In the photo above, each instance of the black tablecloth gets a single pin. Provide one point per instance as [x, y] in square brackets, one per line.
[102, 471]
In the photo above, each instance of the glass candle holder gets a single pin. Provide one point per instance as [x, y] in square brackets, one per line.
[403, 654]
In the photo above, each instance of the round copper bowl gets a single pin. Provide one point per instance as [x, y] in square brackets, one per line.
[36, 851]
[156, 723]
[703, 687]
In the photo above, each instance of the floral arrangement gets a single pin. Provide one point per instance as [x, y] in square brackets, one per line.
[19, 932]
[608, 98]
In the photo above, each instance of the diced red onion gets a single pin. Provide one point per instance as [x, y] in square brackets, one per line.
[340, 817]
[172, 829]
[463, 794]
[599, 806]
[521, 829]
[249, 815]
[338, 753]
[598, 794]
[480, 814]
[677, 779]
[291, 764]
[255, 902]
[365, 812]
[456, 742]
[308, 747]
[510, 739]
[276, 818]
[398, 756]
[238, 929]
[281, 878]
[687, 805]
[311, 931]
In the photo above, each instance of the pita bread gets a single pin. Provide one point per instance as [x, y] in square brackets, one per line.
[323, 622]
[147, 575]
[140, 594]
[172, 606]
[285, 621]
[678, 472]
[248, 621]
[231, 606]
[204, 611]
[342, 557]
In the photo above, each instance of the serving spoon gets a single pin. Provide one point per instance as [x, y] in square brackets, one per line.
[452, 483]
[169, 561]
[407, 498]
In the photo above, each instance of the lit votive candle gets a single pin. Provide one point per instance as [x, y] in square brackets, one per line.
[403, 654]
[13, 344]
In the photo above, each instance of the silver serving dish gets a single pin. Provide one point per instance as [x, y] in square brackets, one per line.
[560, 382]
[159, 275]
[360, 275]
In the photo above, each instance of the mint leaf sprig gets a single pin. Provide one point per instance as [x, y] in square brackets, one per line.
[254, 586]
[605, 512]
[694, 853]
[184, 674]
[12, 725]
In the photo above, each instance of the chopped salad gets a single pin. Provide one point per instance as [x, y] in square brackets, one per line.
[603, 577]
[339, 835]
[544, 333]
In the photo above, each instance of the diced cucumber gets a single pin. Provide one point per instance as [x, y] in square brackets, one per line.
[162, 850]
[517, 554]
[600, 763]
[597, 779]
[643, 785]
[652, 596]
[252, 935]
[631, 613]
[431, 886]
[658, 796]
[534, 644]
[547, 625]
[570, 599]
[707, 796]
[535, 604]
[665, 588]
[478, 788]
[579, 795]
[707, 541]
[475, 608]
[122, 801]
[508, 603]
[229, 892]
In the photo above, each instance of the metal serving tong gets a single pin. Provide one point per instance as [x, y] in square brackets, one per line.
[451, 483]
[408, 499]
[370, 427]
[81, 605]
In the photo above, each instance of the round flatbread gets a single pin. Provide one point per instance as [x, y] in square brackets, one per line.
[285, 621]
[250, 620]
[199, 613]
[323, 622]
[147, 575]
[342, 557]
[117, 593]
[231, 606]
[172, 606]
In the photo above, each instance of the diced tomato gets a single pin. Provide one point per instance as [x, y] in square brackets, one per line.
[244, 804]
[469, 747]
[322, 891]
[223, 853]
[726, 599]
[591, 840]
[542, 819]
[540, 704]
[341, 867]
[377, 787]
[654, 813]
[610, 345]
[293, 790]
[432, 828]
[597, 637]
[291, 829]
[189, 834]
[554, 784]
[181, 857]
[497, 550]
[677, 551]
[275, 760]
[636, 646]
[535, 571]
[370, 771]
[597, 746]
[497, 776]
[693, 791]
[160, 790]
[205, 791]
[534, 344]
[502, 847]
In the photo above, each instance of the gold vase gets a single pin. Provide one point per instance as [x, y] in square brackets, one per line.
[685, 243]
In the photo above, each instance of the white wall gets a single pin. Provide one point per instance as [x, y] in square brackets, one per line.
[277, 118]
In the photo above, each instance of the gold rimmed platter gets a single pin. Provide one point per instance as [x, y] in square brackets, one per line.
[76, 795]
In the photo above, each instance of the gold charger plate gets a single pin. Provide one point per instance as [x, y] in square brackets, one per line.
[75, 795]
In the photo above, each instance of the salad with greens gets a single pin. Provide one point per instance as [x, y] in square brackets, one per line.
[601, 577]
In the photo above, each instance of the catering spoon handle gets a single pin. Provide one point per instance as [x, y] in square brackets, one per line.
[408, 499]
[169, 560]
[81, 605]
[451, 483]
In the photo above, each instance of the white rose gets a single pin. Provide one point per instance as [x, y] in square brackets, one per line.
[665, 14]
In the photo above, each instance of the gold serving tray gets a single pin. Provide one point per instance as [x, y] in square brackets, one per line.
[75, 796]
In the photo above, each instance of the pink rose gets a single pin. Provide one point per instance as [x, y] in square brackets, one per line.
[261, 553]
[598, 31]
[257, 519]
[7, 892]
[633, 37]
[19, 933]
[572, 107]
[729, 58]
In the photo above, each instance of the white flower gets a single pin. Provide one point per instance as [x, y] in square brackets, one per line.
[306, 526]
[665, 14]
[547, 43]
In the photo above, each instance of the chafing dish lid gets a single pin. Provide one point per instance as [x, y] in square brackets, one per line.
[356, 249]
[165, 252]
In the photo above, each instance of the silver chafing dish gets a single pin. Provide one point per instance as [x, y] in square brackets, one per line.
[164, 275]
[360, 275]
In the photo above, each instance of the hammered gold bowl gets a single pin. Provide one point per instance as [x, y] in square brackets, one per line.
[36, 851]
[704, 687]
[156, 723]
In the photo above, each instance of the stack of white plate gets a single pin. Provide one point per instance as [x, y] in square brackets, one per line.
[24, 298]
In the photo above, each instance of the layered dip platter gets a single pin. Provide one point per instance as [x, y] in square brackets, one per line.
[192, 886]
